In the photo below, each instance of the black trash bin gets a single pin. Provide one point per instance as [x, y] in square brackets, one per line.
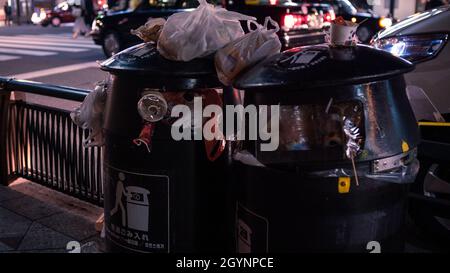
[167, 197]
[335, 104]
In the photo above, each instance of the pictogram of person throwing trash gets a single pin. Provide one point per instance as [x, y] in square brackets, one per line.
[135, 213]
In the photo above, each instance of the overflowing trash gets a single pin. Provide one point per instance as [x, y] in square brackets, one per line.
[205, 31]
[199, 33]
[213, 30]
[245, 51]
[89, 115]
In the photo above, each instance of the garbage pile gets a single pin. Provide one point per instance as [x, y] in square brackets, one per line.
[206, 32]
[213, 31]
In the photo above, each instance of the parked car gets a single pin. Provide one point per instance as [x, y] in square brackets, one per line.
[60, 14]
[423, 39]
[301, 23]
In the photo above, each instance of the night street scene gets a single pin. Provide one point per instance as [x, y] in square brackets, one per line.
[199, 127]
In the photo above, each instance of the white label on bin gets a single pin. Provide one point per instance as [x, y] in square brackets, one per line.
[137, 210]
[305, 57]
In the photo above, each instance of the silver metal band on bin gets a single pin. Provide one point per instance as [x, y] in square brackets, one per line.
[393, 162]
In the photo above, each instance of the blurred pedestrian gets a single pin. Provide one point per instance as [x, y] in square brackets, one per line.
[89, 12]
[432, 4]
[7, 10]
[79, 26]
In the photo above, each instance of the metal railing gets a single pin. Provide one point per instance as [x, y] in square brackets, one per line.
[42, 144]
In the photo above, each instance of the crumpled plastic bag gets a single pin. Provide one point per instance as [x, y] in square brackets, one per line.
[247, 50]
[246, 158]
[89, 115]
[151, 30]
[198, 33]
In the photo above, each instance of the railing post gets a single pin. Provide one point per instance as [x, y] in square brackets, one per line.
[4, 117]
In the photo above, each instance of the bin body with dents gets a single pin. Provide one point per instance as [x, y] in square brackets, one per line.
[171, 198]
[304, 196]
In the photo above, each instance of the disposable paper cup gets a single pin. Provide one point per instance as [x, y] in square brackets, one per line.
[341, 35]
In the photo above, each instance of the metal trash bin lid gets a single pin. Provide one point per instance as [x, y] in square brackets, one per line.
[322, 66]
[144, 61]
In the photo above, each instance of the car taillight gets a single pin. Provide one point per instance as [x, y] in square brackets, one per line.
[292, 21]
[414, 48]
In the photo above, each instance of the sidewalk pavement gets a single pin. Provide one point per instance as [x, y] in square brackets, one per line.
[34, 218]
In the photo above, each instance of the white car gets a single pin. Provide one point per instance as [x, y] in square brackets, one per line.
[423, 39]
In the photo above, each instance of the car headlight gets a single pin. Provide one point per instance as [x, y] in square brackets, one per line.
[414, 48]
[385, 22]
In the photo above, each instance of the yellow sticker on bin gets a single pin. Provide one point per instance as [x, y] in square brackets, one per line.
[405, 146]
[344, 184]
[252, 2]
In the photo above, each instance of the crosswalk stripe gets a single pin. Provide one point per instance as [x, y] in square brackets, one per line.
[48, 41]
[33, 42]
[61, 35]
[53, 48]
[8, 57]
[26, 52]
[52, 35]
[55, 70]
[55, 39]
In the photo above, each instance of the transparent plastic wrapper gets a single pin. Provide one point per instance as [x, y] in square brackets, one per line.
[198, 33]
[90, 247]
[254, 46]
[296, 134]
[151, 30]
[247, 158]
[423, 108]
[405, 171]
[309, 127]
[89, 115]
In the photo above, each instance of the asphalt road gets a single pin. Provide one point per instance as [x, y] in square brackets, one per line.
[49, 55]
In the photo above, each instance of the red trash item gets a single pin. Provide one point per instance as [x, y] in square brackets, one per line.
[145, 137]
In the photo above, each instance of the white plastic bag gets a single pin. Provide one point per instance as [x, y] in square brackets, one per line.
[247, 50]
[198, 33]
[89, 115]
